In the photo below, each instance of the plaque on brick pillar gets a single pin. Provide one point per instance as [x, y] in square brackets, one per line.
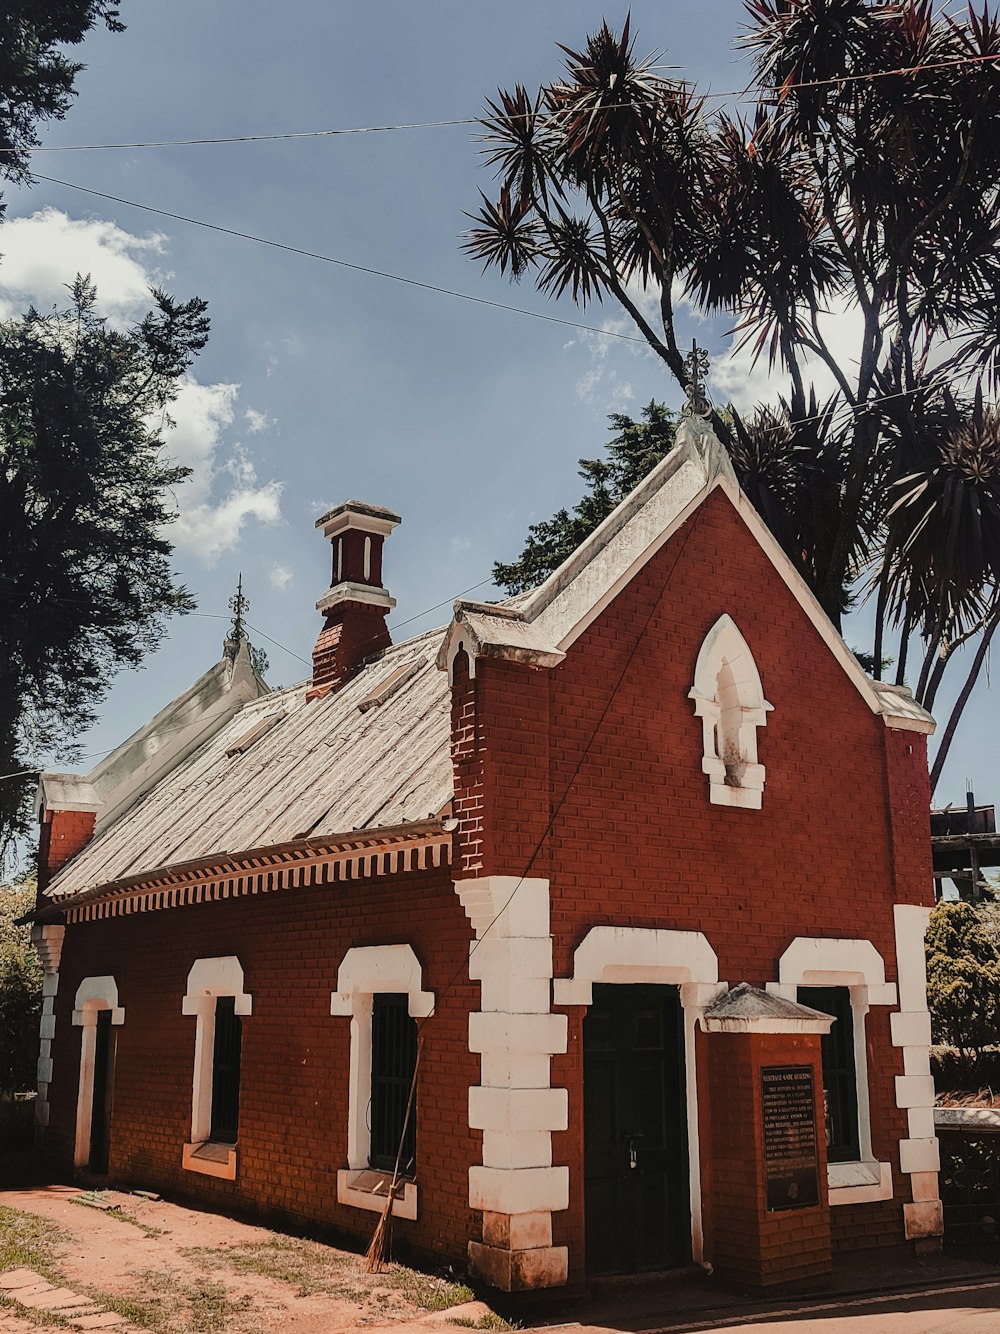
[791, 1153]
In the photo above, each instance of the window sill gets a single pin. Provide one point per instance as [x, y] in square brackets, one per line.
[365, 1188]
[859, 1183]
[212, 1160]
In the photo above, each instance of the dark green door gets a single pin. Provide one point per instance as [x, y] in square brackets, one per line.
[635, 1131]
[100, 1111]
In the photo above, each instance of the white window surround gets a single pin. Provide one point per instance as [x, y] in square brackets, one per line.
[207, 981]
[856, 964]
[628, 954]
[729, 700]
[365, 972]
[93, 995]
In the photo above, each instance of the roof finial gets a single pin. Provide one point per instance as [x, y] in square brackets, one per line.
[696, 365]
[239, 606]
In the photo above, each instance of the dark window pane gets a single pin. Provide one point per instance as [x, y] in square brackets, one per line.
[226, 1071]
[840, 1085]
[394, 1056]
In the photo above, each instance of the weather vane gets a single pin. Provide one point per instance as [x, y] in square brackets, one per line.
[696, 365]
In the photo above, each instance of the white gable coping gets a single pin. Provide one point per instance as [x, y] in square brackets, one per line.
[539, 627]
[159, 746]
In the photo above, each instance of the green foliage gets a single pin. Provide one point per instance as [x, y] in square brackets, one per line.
[20, 991]
[85, 497]
[633, 453]
[865, 181]
[36, 76]
[963, 978]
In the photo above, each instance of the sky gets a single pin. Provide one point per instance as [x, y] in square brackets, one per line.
[322, 383]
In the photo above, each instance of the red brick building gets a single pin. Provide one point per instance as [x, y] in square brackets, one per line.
[637, 862]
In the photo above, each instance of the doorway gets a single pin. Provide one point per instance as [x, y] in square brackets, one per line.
[637, 1201]
[100, 1110]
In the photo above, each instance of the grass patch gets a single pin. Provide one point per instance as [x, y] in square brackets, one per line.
[44, 1319]
[310, 1267]
[426, 1291]
[490, 1321]
[30, 1243]
[175, 1304]
[306, 1266]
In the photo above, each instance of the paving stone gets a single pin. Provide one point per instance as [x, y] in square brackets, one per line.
[103, 1321]
[19, 1278]
[62, 1297]
[35, 1298]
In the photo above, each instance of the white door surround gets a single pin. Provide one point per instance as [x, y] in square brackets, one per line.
[685, 959]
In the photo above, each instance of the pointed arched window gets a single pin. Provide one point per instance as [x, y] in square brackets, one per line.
[729, 700]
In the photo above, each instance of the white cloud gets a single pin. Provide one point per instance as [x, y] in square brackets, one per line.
[223, 492]
[40, 255]
[44, 252]
[280, 576]
[256, 421]
[737, 380]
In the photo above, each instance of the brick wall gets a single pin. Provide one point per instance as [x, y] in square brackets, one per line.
[634, 840]
[294, 1088]
[61, 836]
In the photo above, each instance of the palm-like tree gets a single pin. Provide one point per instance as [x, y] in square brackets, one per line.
[866, 177]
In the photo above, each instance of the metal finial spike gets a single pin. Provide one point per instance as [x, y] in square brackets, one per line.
[696, 364]
[239, 606]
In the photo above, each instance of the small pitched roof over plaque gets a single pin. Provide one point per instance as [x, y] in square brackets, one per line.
[746, 1009]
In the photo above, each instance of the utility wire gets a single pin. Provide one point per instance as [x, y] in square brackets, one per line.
[739, 93]
[342, 263]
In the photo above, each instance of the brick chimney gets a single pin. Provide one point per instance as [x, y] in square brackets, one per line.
[356, 604]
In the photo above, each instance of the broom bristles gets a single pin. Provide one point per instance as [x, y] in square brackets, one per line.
[378, 1248]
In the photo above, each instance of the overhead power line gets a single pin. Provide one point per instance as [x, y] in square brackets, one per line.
[342, 131]
[343, 263]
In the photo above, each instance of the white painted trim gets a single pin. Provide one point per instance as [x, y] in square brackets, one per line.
[207, 981]
[223, 1168]
[629, 954]
[730, 714]
[92, 995]
[365, 972]
[859, 1183]
[635, 954]
[350, 1190]
[814, 961]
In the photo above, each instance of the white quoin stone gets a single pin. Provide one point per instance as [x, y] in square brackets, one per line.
[530, 1033]
[525, 1109]
[519, 1190]
[515, 1034]
[911, 1030]
[517, 1148]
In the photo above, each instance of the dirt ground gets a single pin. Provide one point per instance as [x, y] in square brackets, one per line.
[172, 1270]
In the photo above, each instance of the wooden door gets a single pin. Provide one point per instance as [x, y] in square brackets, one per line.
[635, 1131]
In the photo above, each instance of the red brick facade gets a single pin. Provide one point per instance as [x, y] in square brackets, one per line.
[588, 776]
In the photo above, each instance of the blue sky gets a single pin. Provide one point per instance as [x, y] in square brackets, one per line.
[320, 383]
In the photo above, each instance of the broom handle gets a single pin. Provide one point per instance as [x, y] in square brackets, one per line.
[406, 1118]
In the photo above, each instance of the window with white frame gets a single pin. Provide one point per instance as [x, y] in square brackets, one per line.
[216, 998]
[843, 977]
[380, 988]
[729, 700]
[97, 1013]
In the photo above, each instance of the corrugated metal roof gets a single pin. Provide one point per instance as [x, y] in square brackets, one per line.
[325, 766]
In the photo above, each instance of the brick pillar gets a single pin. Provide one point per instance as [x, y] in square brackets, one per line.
[750, 1243]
